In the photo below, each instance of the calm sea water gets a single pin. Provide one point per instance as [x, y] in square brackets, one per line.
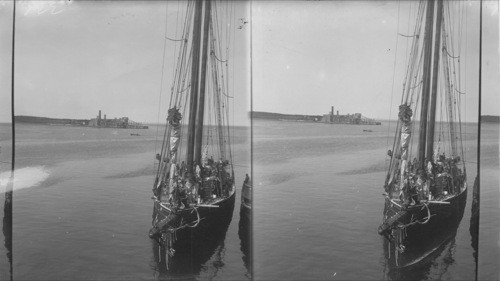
[318, 202]
[82, 207]
[5, 168]
[489, 227]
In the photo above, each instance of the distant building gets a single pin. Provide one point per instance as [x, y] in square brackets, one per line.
[122, 122]
[355, 118]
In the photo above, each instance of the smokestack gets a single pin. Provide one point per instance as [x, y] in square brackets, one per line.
[99, 118]
[337, 113]
[333, 112]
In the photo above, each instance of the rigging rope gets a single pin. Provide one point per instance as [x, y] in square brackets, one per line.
[233, 76]
[408, 31]
[393, 79]
[181, 76]
[462, 93]
[419, 83]
[393, 163]
[465, 80]
[213, 53]
[175, 40]
[177, 77]
[409, 36]
[161, 90]
[450, 55]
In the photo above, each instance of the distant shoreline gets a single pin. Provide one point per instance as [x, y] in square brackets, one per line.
[330, 118]
[286, 117]
[50, 121]
[261, 115]
[122, 123]
[73, 122]
[490, 119]
[253, 114]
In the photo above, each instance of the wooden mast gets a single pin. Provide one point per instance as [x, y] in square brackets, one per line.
[435, 74]
[426, 82]
[203, 77]
[193, 100]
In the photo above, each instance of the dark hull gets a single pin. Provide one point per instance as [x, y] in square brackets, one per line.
[245, 213]
[194, 246]
[421, 241]
[246, 201]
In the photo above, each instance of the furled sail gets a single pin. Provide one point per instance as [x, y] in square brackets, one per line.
[174, 120]
[405, 114]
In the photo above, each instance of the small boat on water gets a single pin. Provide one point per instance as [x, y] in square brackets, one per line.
[134, 134]
[426, 182]
[368, 131]
[195, 194]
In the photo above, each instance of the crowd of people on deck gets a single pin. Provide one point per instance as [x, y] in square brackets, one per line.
[439, 179]
[206, 183]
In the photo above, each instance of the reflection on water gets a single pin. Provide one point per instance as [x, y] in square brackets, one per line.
[7, 221]
[440, 260]
[244, 232]
[201, 254]
[474, 220]
[95, 183]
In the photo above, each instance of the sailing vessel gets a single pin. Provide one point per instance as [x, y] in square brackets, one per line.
[194, 192]
[426, 182]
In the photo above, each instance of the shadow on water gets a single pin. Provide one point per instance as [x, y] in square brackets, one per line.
[245, 234]
[203, 251]
[474, 221]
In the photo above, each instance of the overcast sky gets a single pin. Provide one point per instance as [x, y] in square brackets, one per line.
[76, 57]
[311, 55]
